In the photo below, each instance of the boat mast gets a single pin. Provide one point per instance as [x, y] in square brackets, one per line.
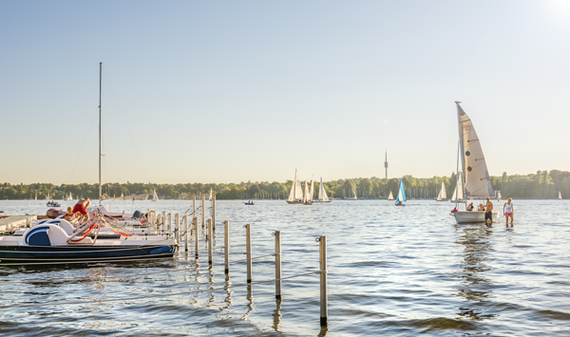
[461, 150]
[100, 81]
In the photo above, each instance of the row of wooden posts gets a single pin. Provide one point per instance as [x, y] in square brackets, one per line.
[163, 225]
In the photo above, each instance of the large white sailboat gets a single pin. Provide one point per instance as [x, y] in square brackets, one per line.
[296, 194]
[476, 181]
[442, 196]
[322, 194]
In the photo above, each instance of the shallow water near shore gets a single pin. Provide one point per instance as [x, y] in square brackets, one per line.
[397, 271]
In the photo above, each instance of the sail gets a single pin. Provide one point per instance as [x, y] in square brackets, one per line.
[442, 193]
[499, 196]
[311, 192]
[559, 195]
[155, 196]
[401, 193]
[306, 198]
[296, 189]
[210, 197]
[458, 192]
[476, 176]
[391, 196]
[322, 192]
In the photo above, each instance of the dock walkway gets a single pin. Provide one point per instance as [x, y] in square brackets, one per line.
[14, 221]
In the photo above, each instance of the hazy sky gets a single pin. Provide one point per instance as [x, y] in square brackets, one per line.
[230, 91]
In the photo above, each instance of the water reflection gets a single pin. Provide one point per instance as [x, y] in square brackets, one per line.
[475, 287]
[277, 316]
[250, 305]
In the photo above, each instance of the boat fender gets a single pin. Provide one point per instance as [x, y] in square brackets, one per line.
[165, 249]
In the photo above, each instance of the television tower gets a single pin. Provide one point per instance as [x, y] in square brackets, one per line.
[386, 163]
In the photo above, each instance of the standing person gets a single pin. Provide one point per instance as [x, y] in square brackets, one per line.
[508, 210]
[489, 211]
[81, 207]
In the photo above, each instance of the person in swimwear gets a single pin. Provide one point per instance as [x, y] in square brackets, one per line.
[470, 207]
[69, 216]
[489, 211]
[81, 207]
[508, 210]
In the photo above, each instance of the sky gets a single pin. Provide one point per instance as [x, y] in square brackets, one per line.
[232, 91]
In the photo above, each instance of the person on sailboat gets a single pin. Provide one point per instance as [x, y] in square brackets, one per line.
[508, 210]
[470, 207]
[480, 208]
[489, 211]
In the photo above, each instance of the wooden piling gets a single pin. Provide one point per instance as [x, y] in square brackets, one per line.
[277, 264]
[210, 242]
[186, 232]
[248, 251]
[227, 245]
[323, 273]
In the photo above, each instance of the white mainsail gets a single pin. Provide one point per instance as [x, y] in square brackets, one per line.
[322, 192]
[210, 197]
[155, 196]
[306, 198]
[296, 193]
[476, 176]
[559, 195]
[311, 192]
[499, 196]
[391, 196]
[442, 193]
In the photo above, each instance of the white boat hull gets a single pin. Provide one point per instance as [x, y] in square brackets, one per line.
[472, 216]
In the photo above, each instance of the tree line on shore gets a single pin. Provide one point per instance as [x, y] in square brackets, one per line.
[539, 185]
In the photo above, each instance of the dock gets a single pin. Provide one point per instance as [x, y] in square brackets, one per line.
[10, 222]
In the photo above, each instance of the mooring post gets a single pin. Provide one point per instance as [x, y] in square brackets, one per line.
[323, 272]
[227, 245]
[169, 222]
[214, 211]
[210, 242]
[196, 235]
[177, 227]
[193, 205]
[248, 251]
[186, 232]
[203, 207]
[277, 264]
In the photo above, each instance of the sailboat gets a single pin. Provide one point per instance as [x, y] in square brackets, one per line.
[210, 197]
[391, 196]
[322, 194]
[559, 195]
[401, 195]
[306, 199]
[476, 181]
[442, 196]
[458, 191]
[155, 196]
[312, 190]
[296, 194]
[499, 196]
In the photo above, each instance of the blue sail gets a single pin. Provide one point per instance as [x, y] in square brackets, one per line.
[401, 194]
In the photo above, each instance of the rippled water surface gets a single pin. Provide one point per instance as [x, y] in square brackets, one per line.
[396, 271]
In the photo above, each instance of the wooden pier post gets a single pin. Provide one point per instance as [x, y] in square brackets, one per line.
[323, 272]
[169, 223]
[186, 232]
[196, 235]
[203, 209]
[177, 227]
[227, 245]
[277, 264]
[214, 211]
[210, 243]
[248, 251]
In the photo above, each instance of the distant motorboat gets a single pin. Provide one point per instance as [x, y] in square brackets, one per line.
[53, 204]
[249, 203]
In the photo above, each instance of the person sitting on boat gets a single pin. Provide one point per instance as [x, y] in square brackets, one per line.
[480, 208]
[70, 215]
[470, 207]
[81, 207]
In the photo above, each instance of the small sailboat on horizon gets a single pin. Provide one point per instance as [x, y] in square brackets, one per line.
[323, 198]
[296, 194]
[401, 195]
[442, 196]
[391, 196]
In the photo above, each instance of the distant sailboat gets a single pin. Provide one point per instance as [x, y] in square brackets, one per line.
[155, 196]
[311, 192]
[499, 196]
[210, 197]
[401, 195]
[458, 192]
[306, 199]
[442, 196]
[559, 195]
[322, 194]
[296, 194]
[476, 181]
[391, 196]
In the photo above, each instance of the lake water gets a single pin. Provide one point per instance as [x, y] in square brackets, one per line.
[395, 271]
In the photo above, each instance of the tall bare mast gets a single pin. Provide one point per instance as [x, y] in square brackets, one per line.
[100, 80]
